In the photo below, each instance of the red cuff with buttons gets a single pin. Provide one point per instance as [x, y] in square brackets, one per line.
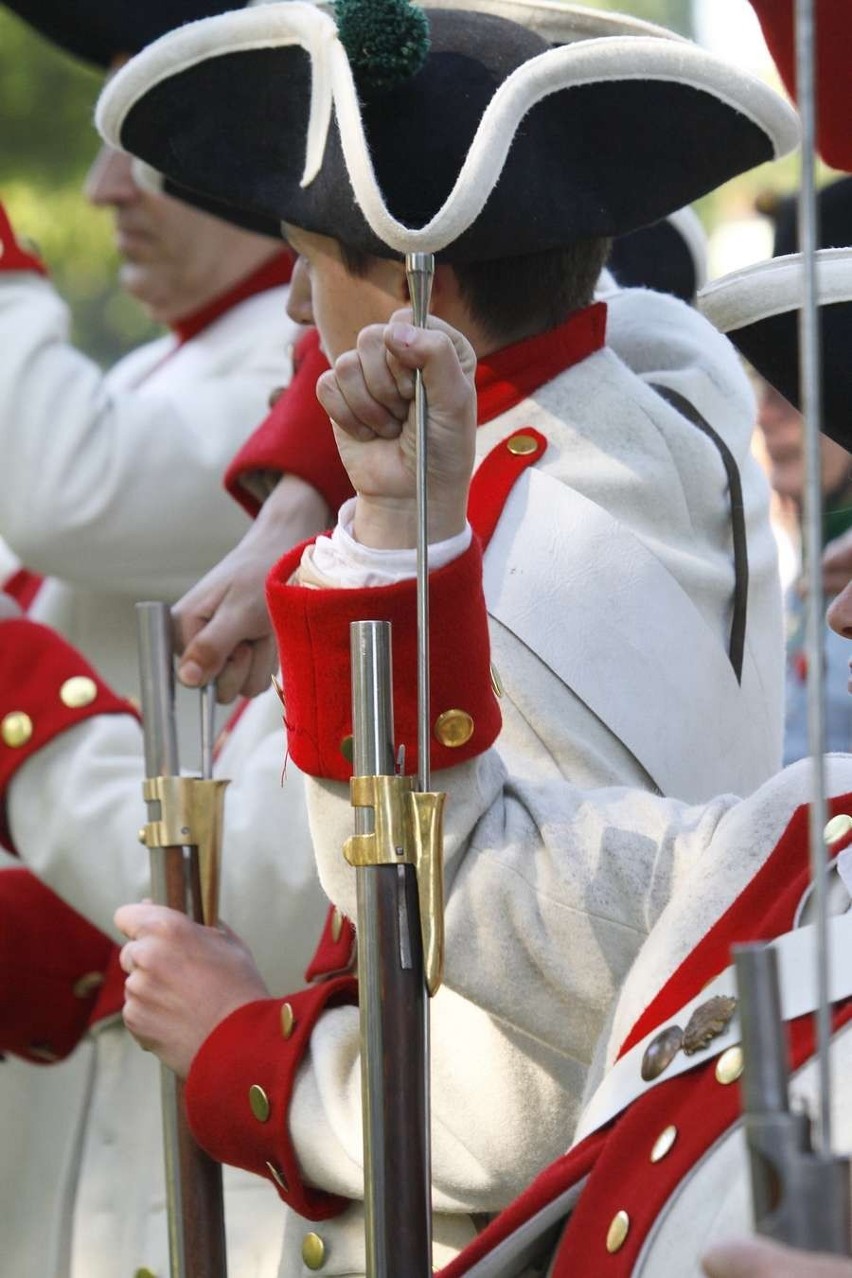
[335, 953]
[53, 965]
[313, 643]
[46, 687]
[295, 439]
[241, 1082]
[13, 256]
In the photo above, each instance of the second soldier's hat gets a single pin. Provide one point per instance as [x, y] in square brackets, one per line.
[101, 31]
[487, 143]
[758, 308]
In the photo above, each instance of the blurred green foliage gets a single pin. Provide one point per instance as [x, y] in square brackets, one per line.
[47, 141]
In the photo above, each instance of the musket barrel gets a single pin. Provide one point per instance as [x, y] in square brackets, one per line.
[393, 1005]
[194, 1199]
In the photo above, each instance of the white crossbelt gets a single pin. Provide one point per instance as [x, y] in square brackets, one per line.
[797, 979]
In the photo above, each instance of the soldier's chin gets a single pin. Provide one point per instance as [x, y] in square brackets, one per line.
[143, 283]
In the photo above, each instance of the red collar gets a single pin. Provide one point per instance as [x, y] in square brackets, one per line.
[274, 272]
[508, 376]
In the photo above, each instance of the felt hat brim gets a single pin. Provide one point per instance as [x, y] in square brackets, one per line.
[758, 308]
[99, 31]
[499, 146]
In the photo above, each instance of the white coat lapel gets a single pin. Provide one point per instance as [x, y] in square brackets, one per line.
[583, 593]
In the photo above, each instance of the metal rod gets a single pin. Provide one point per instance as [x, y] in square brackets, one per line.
[811, 400]
[420, 271]
[393, 1005]
[208, 733]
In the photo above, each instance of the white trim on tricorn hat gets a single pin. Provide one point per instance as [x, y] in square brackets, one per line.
[758, 308]
[559, 23]
[750, 123]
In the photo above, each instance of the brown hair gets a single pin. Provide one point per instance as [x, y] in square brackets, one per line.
[515, 297]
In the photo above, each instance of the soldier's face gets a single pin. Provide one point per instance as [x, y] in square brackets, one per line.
[324, 293]
[175, 258]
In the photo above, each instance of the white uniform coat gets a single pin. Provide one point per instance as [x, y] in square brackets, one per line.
[552, 887]
[115, 484]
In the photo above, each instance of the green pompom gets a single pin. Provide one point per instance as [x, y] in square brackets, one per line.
[387, 41]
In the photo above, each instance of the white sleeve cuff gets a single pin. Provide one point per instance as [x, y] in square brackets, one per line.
[345, 562]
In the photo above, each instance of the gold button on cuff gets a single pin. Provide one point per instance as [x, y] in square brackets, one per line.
[496, 681]
[259, 1102]
[16, 729]
[336, 925]
[522, 445]
[288, 1020]
[144, 1273]
[347, 748]
[618, 1230]
[454, 728]
[664, 1144]
[313, 1251]
[279, 1177]
[729, 1066]
[78, 692]
[837, 828]
[86, 985]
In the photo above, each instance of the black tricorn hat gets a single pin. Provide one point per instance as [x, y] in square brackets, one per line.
[669, 256]
[100, 31]
[499, 145]
[758, 308]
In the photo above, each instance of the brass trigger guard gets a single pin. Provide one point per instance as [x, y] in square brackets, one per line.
[191, 815]
[409, 830]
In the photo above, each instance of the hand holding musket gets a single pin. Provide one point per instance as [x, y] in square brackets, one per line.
[397, 848]
[186, 814]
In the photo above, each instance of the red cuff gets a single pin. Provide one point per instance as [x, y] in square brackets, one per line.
[241, 1082]
[295, 439]
[53, 964]
[13, 256]
[335, 953]
[46, 687]
[312, 627]
[834, 53]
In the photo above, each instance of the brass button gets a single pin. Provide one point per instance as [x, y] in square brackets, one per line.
[259, 1102]
[454, 728]
[279, 1177]
[496, 681]
[144, 1273]
[42, 1052]
[663, 1144]
[313, 1251]
[347, 748]
[86, 985]
[522, 445]
[837, 828]
[660, 1052]
[288, 1020]
[618, 1230]
[78, 691]
[729, 1066]
[336, 925]
[16, 729]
